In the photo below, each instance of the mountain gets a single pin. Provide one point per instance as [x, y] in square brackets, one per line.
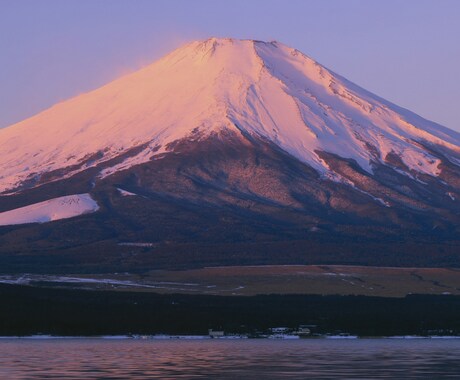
[231, 151]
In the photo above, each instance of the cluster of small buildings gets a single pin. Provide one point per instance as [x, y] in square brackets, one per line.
[303, 331]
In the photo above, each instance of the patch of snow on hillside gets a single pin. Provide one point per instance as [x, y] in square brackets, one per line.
[50, 210]
[125, 193]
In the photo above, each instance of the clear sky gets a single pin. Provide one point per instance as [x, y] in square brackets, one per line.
[407, 51]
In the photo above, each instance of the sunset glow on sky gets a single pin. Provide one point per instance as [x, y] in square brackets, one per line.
[405, 51]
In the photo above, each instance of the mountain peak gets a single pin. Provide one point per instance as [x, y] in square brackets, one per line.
[265, 89]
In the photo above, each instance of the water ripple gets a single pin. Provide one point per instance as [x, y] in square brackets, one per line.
[262, 359]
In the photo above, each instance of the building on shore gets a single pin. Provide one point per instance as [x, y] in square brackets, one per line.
[216, 333]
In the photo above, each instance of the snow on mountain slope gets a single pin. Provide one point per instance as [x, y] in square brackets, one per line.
[268, 90]
[53, 209]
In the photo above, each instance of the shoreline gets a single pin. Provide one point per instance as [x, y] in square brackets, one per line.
[161, 337]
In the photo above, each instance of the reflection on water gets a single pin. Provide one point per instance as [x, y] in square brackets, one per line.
[262, 359]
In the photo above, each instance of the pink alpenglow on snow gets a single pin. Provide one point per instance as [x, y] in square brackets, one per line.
[267, 90]
[50, 210]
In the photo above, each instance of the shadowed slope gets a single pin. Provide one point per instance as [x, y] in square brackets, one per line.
[231, 199]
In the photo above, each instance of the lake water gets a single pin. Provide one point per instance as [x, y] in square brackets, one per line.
[238, 359]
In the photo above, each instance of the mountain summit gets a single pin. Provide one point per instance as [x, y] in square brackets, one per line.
[251, 141]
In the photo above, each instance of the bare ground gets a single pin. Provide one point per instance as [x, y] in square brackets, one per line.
[276, 279]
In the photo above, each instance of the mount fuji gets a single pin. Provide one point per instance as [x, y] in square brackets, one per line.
[227, 152]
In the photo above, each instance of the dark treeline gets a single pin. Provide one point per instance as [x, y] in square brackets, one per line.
[28, 310]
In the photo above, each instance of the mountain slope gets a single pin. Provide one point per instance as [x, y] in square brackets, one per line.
[232, 152]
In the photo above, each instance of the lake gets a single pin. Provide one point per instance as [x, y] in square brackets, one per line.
[229, 359]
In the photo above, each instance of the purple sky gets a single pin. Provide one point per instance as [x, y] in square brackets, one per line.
[407, 51]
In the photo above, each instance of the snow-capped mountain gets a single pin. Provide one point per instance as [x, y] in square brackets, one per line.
[262, 89]
[254, 129]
